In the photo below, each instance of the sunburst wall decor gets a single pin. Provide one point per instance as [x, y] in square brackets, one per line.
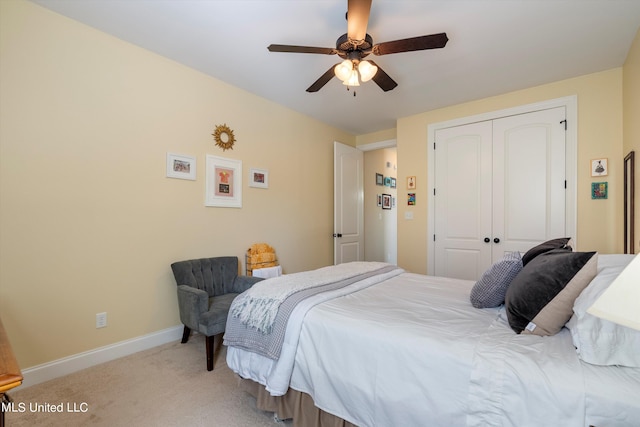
[224, 138]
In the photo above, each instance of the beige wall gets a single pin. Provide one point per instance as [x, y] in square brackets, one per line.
[377, 220]
[599, 222]
[88, 221]
[631, 79]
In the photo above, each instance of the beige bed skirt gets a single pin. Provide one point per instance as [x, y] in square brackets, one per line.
[294, 405]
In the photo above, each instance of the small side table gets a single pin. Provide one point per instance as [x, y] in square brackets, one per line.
[10, 375]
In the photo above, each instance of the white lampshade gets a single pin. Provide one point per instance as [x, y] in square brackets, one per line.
[344, 70]
[620, 302]
[353, 79]
[367, 70]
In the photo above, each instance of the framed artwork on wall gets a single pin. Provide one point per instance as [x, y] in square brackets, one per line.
[258, 178]
[379, 200]
[411, 182]
[379, 179]
[599, 190]
[224, 182]
[599, 167]
[181, 166]
[386, 201]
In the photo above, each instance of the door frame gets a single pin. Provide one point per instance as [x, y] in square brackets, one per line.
[571, 105]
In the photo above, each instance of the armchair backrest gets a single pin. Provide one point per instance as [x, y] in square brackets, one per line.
[215, 276]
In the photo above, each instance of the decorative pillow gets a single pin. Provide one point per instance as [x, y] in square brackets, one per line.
[549, 245]
[540, 299]
[599, 341]
[490, 290]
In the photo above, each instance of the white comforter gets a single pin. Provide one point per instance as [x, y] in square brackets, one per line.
[411, 351]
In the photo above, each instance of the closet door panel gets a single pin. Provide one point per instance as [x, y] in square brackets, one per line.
[529, 175]
[463, 200]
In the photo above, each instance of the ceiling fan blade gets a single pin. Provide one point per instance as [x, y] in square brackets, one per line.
[323, 80]
[358, 18]
[301, 49]
[383, 79]
[433, 41]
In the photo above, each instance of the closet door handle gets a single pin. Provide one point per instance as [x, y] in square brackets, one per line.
[496, 240]
[487, 240]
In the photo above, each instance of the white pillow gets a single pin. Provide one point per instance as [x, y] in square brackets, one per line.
[599, 341]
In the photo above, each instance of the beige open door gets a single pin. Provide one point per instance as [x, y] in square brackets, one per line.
[348, 204]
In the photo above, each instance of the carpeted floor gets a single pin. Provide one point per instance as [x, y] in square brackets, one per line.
[164, 386]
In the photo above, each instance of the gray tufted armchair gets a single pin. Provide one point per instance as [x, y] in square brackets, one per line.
[206, 288]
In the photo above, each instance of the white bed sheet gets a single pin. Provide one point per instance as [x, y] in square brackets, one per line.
[412, 351]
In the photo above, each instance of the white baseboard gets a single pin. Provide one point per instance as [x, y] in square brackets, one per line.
[68, 365]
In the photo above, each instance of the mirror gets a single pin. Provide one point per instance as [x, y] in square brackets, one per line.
[629, 206]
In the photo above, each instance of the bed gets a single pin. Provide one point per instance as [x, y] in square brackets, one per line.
[370, 344]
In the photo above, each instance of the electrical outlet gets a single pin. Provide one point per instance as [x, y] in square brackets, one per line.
[101, 320]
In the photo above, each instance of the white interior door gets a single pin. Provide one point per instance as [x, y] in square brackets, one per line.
[348, 207]
[529, 187]
[499, 186]
[463, 200]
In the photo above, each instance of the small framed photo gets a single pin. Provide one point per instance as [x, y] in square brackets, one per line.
[181, 166]
[411, 199]
[379, 200]
[379, 179]
[599, 190]
[387, 181]
[224, 182]
[411, 183]
[393, 183]
[258, 178]
[599, 167]
[386, 201]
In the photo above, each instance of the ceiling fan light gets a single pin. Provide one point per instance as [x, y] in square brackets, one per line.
[353, 79]
[367, 70]
[343, 70]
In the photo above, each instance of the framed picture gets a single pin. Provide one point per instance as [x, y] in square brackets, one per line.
[181, 166]
[379, 200]
[387, 181]
[258, 178]
[599, 167]
[411, 182]
[393, 183]
[599, 190]
[224, 182]
[411, 199]
[386, 201]
[379, 179]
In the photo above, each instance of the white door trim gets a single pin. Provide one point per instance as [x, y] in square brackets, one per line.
[571, 105]
[389, 143]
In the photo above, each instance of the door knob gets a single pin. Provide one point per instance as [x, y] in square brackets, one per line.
[337, 235]
[496, 240]
[487, 240]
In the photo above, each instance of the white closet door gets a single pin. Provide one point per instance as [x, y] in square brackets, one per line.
[529, 180]
[463, 200]
[499, 186]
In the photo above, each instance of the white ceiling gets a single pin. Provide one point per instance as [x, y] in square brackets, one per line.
[495, 46]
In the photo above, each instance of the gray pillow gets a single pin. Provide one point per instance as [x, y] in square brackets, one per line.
[549, 245]
[540, 299]
[490, 290]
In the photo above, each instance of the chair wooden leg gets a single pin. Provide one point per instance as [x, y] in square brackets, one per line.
[185, 334]
[210, 343]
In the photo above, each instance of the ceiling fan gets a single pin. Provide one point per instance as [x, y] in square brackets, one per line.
[356, 45]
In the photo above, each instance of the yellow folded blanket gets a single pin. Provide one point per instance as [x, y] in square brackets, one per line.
[261, 255]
